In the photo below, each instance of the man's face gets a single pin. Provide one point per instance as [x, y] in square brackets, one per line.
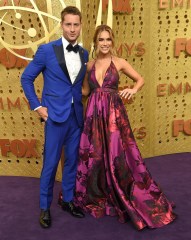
[71, 27]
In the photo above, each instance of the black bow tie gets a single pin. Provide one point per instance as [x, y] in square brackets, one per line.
[70, 48]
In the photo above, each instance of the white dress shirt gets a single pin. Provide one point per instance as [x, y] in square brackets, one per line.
[73, 62]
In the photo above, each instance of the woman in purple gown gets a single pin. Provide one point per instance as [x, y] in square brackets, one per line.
[112, 178]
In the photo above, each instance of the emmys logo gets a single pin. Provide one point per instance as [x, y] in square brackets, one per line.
[165, 4]
[169, 89]
[13, 16]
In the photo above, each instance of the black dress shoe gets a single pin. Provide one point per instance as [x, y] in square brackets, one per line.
[71, 208]
[45, 218]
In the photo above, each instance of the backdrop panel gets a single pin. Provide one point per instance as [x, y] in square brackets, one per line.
[154, 36]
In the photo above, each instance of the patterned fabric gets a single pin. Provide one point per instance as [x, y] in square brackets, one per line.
[112, 178]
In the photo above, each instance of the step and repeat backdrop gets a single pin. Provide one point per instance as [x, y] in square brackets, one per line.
[153, 35]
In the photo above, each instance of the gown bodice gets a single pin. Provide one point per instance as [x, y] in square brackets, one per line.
[110, 81]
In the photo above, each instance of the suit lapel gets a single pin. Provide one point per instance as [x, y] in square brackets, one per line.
[59, 51]
[81, 52]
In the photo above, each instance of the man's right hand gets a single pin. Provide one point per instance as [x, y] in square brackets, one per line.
[43, 113]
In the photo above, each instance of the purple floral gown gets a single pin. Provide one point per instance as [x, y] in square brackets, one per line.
[112, 178]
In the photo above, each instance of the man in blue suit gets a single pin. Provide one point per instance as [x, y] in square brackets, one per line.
[63, 65]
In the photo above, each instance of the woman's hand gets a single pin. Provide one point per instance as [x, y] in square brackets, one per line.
[127, 92]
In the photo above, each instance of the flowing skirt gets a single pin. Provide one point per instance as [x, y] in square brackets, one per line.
[112, 178]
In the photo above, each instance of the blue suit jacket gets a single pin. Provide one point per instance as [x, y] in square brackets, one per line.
[58, 89]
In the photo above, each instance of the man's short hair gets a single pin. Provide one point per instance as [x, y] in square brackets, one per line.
[70, 10]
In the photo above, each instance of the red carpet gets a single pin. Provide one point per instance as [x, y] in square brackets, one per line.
[19, 209]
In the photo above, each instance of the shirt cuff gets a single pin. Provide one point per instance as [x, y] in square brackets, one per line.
[37, 108]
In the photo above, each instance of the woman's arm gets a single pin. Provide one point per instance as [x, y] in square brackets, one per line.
[128, 70]
[85, 85]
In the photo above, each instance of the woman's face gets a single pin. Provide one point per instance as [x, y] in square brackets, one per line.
[104, 42]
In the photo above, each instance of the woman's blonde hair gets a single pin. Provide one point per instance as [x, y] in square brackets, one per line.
[98, 31]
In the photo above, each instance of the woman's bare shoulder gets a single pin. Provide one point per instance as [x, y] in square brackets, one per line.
[119, 62]
[119, 59]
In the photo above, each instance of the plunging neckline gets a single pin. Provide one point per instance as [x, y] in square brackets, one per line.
[104, 74]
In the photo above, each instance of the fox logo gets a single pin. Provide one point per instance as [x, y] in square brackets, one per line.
[122, 6]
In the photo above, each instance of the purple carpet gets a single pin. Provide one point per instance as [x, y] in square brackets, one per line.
[19, 209]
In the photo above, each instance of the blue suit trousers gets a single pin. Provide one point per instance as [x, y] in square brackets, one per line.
[58, 135]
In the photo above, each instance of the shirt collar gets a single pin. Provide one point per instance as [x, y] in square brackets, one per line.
[65, 42]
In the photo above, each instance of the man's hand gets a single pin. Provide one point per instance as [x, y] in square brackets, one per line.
[43, 113]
